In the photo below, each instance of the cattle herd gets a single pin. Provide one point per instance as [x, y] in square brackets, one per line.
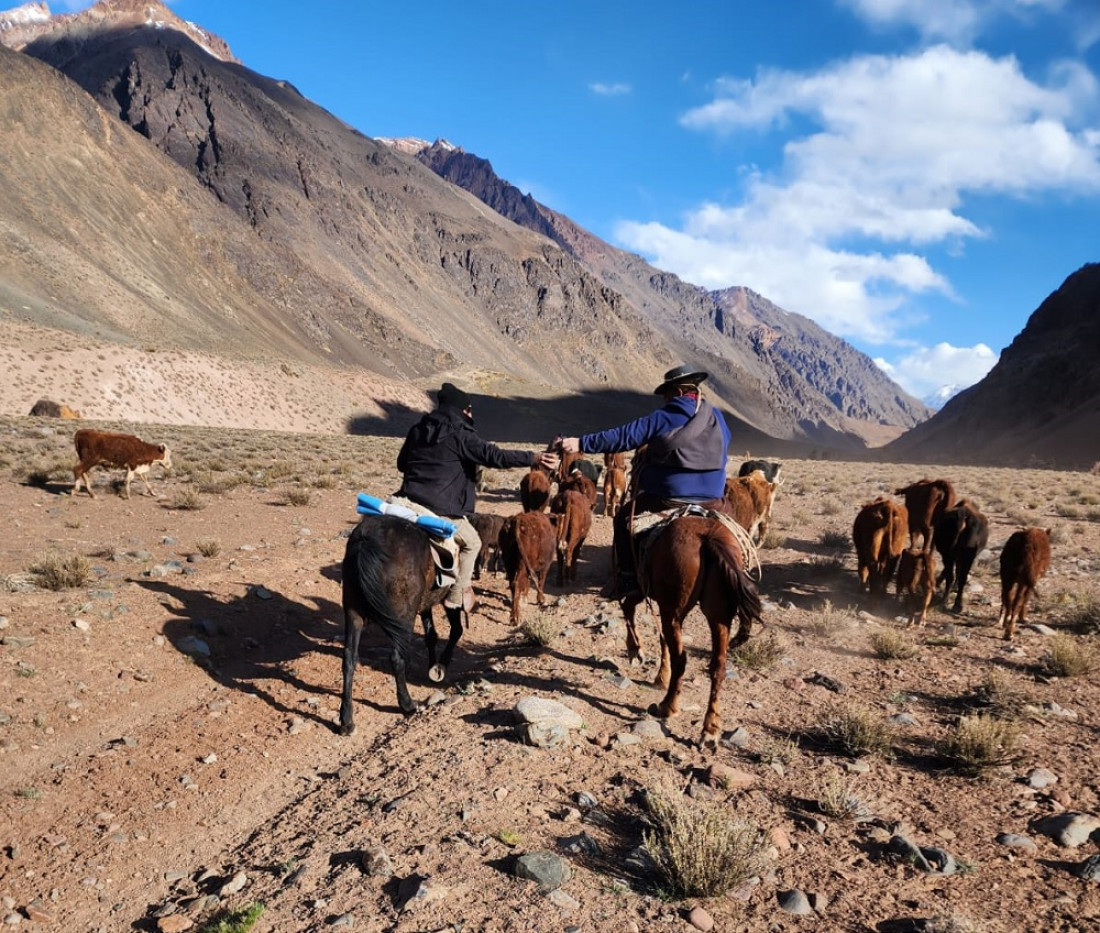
[899, 540]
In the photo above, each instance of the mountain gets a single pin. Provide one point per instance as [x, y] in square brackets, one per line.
[243, 221]
[1040, 404]
[795, 378]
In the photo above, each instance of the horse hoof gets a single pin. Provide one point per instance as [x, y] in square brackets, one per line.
[347, 728]
[709, 743]
[656, 712]
[436, 673]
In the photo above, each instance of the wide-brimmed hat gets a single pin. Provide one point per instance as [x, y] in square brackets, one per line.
[680, 374]
[452, 396]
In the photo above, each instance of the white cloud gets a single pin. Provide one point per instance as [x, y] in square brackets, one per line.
[953, 20]
[898, 143]
[925, 370]
[609, 90]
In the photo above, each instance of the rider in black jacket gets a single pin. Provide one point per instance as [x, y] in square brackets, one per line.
[439, 460]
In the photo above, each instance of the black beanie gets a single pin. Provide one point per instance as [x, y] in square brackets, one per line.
[451, 396]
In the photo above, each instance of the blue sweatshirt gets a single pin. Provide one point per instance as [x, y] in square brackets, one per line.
[665, 481]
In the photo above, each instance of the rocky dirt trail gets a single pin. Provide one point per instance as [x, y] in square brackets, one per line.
[147, 784]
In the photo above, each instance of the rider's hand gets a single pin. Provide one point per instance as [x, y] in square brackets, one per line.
[571, 445]
[547, 460]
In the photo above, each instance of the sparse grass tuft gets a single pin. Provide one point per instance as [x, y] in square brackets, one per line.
[298, 496]
[773, 539]
[834, 540]
[700, 849]
[540, 628]
[758, 654]
[892, 645]
[188, 500]
[1083, 613]
[856, 730]
[835, 798]
[208, 547]
[830, 621]
[778, 751]
[1069, 656]
[237, 921]
[979, 743]
[942, 641]
[998, 697]
[61, 572]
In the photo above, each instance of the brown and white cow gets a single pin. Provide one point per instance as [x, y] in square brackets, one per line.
[926, 500]
[120, 451]
[1024, 560]
[749, 500]
[878, 533]
[614, 482]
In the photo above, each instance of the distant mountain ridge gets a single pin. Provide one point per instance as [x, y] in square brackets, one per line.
[1040, 404]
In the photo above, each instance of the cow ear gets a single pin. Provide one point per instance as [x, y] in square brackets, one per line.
[162, 448]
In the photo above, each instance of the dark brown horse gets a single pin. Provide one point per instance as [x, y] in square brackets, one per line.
[389, 579]
[694, 561]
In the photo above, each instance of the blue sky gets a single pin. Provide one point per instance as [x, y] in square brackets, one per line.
[915, 175]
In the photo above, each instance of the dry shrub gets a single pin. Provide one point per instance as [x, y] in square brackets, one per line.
[834, 540]
[980, 742]
[892, 645]
[1083, 613]
[540, 628]
[856, 730]
[773, 539]
[188, 500]
[61, 572]
[298, 497]
[778, 751]
[758, 654]
[998, 697]
[208, 547]
[700, 849]
[1069, 656]
[211, 484]
[835, 798]
[830, 621]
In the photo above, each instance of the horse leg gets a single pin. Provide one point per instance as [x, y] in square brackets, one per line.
[400, 664]
[353, 628]
[519, 590]
[437, 672]
[633, 644]
[719, 646]
[673, 647]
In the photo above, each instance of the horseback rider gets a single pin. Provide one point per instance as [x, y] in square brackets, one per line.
[684, 462]
[440, 460]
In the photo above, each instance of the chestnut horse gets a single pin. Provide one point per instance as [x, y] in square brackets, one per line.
[693, 561]
[389, 579]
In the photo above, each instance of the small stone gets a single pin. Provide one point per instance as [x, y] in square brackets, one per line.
[174, 923]
[234, 885]
[1016, 841]
[83, 624]
[701, 920]
[794, 902]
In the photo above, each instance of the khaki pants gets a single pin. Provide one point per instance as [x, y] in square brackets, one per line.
[469, 545]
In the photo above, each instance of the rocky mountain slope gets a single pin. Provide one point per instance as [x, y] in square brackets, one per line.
[1040, 405]
[243, 220]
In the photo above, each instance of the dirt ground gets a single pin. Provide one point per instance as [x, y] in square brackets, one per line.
[168, 751]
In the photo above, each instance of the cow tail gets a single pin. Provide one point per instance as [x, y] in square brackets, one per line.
[370, 561]
[727, 557]
[564, 521]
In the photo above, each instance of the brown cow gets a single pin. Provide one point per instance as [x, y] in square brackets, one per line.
[1024, 560]
[574, 521]
[488, 529]
[879, 536]
[534, 490]
[926, 500]
[917, 582]
[614, 483]
[528, 546]
[749, 500]
[123, 451]
[579, 482]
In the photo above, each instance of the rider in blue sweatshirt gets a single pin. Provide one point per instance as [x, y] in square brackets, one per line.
[686, 448]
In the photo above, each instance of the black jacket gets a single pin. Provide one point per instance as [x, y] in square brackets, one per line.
[440, 457]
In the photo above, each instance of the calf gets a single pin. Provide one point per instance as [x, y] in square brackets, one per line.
[528, 546]
[123, 451]
[926, 500]
[579, 482]
[917, 582]
[488, 529]
[770, 469]
[879, 536]
[1024, 560]
[614, 486]
[574, 521]
[961, 534]
[749, 500]
[534, 490]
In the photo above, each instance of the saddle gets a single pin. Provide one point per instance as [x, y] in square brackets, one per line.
[647, 527]
[444, 549]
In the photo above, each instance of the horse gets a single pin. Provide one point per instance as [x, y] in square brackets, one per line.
[389, 578]
[693, 561]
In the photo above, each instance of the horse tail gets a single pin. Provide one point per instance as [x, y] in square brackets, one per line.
[727, 555]
[371, 560]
